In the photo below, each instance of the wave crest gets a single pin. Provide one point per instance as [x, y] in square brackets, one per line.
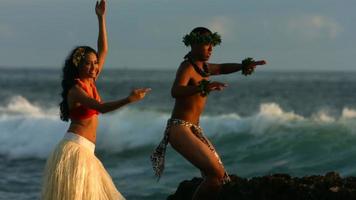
[27, 130]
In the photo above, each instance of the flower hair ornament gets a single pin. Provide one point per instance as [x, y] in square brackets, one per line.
[196, 38]
[78, 56]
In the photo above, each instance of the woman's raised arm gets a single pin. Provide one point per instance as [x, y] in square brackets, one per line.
[100, 10]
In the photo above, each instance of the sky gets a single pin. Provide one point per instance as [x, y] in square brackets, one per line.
[147, 34]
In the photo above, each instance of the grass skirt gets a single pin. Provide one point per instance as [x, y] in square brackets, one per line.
[73, 172]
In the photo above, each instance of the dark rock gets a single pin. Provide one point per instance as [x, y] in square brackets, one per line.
[186, 189]
[278, 187]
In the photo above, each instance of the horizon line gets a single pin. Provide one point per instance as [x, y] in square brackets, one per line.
[167, 69]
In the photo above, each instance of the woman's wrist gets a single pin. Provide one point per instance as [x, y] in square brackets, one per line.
[101, 17]
[128, 100]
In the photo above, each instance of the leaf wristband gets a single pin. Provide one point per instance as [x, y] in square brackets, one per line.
[246, 69]
[203, 87]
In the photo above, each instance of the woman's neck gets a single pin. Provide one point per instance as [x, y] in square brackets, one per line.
[86, 81]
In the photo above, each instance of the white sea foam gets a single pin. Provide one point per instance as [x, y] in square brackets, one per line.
[27, 130]
[348, 113]
[18, 105]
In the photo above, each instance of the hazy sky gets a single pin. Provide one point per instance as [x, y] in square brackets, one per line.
[145, 34]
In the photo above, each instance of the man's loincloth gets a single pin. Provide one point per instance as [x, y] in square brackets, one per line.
[158, 156]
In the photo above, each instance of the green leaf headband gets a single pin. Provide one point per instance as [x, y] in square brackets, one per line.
[78, 55]
[196, 38]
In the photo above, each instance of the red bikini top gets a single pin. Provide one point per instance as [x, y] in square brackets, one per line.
[82, 112]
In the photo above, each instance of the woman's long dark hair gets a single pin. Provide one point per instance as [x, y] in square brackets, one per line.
[70, 73]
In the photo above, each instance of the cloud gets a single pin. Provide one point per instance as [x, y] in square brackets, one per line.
[314, 26]
[221, 24]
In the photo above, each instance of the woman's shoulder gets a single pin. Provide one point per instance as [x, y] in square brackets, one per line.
[75, 89]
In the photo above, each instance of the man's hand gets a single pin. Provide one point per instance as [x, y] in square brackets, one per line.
[252, 66]
[260, 62]
[218, 86]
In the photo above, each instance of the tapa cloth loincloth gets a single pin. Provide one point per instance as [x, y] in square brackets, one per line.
[158, 156]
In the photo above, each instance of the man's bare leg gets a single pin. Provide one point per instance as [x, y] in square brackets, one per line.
[195, 151]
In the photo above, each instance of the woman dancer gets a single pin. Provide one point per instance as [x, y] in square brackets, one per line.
[72, 170]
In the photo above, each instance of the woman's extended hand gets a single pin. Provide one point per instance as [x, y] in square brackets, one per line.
[100, 8]
[138, 94]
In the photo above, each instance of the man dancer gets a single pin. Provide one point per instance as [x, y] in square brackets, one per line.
[190, 90]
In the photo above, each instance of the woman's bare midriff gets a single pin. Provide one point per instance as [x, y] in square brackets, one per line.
[85, 128]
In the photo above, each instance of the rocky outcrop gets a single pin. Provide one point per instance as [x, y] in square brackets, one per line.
[278, 187]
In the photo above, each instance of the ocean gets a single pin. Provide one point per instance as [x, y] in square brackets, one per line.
[300, 123]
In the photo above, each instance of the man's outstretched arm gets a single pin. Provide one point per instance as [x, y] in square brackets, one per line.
[228, 68]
